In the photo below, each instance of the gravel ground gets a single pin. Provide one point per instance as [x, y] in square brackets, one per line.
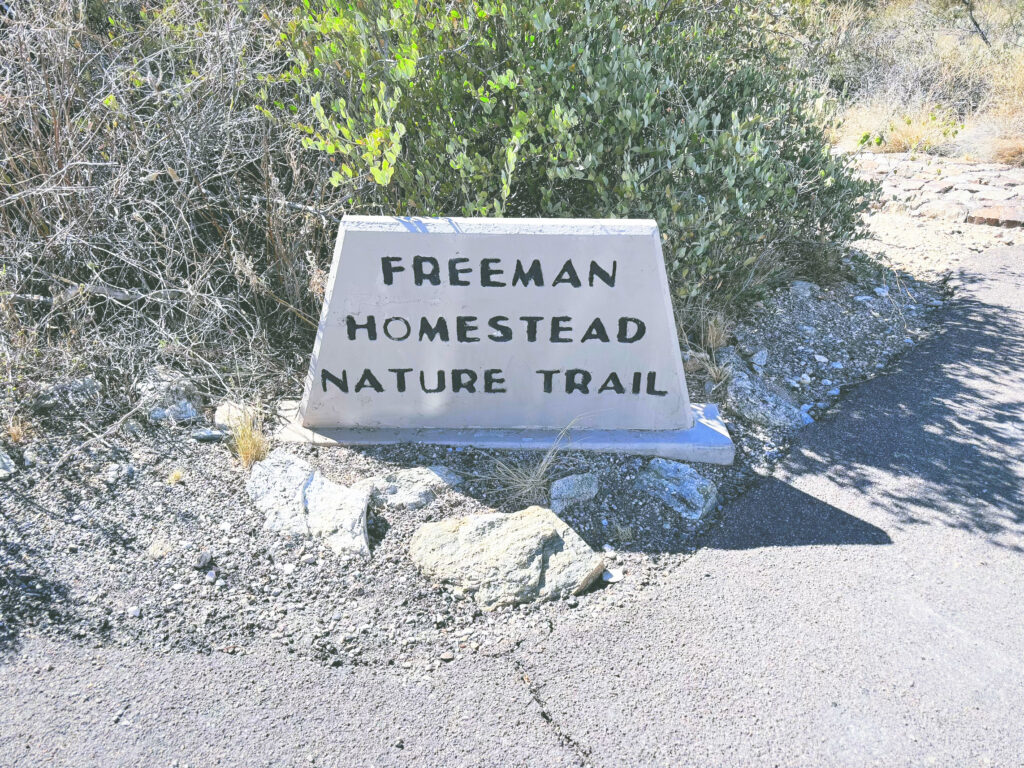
[147, 538]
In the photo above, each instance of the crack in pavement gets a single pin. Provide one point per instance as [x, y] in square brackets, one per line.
[581, 752]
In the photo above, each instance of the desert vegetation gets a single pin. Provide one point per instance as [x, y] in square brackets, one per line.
[928, 76]
[174, 172]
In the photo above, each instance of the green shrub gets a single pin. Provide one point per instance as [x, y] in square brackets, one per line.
[682, 112]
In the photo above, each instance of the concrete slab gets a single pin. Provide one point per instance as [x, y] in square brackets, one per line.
[707, 441]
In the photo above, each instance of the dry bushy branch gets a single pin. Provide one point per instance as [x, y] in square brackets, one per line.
[148, 209]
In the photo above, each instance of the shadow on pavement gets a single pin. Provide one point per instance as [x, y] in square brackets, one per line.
[783, 516]
[938, 441]
[27, 596]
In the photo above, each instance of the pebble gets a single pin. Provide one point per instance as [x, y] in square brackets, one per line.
[203, 560]
[612, 575]
[447, 656]
[209, 435]
[135, 611]
[834, 392]
[836, 365]
[882, 290]
[805, 379]
[821, 359]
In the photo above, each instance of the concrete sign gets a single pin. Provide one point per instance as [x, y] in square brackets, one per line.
[500, 332]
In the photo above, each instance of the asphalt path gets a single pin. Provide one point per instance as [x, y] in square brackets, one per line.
[861, 607]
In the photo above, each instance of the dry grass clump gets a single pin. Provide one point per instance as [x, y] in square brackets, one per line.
[18, 429]
[1009, 151]
[716, 373]
[524, 483]
[926, 129]
[248, 442]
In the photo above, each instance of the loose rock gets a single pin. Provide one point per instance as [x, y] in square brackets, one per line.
[679, 486]
[752, 399]
[300, 501]
[7, 465]
[411, 488]
[181, 412]
[229, 415]
[574, 489]
[503, 559]
[208, 435]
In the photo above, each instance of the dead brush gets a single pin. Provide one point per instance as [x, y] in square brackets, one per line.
[18, 429]
[717, 373]
[1009, 151]
[523, 483]
[622, 533]
[712, 327]
[248, 442]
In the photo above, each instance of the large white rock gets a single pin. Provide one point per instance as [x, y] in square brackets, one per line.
[679, 486]
[501, 559]
[338, 514]
[298, 500]
[277, 486]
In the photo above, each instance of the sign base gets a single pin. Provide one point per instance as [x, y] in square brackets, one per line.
[707, 441]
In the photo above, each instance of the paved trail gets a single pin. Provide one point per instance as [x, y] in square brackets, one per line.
[863, 607]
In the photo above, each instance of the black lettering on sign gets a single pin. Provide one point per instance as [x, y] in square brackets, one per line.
[389, 266]
[341, 383]
[489, 273]
[463, 379]
[559, 326]
[465, 325]
[420, 272]
[400, 377]
[577, 380]
[402, 323]
[596, 270]
[531, 327]
[524, 277]
[595, 331]
[454, 272]
[567, 274]
[498, 323]
[437, 330]
[549, 377]
[651, 385]
[440, 383]
[368, 380]
[627, 335]
[637, 377]
[493, 381]
[353, 325]
[613, 384]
